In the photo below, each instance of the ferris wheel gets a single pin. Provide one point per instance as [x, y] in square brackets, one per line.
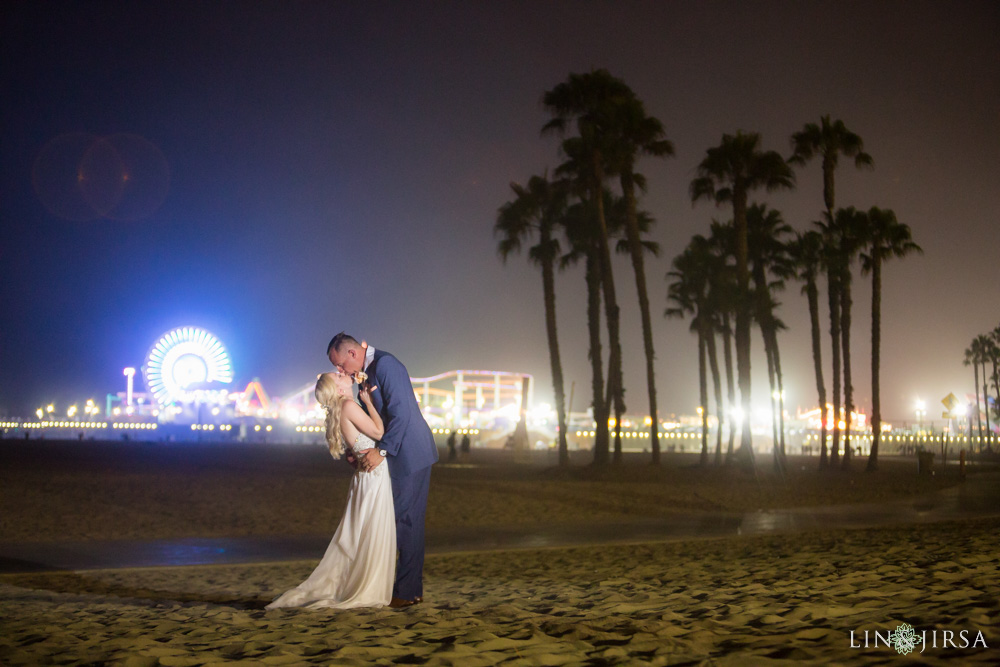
[182, 359]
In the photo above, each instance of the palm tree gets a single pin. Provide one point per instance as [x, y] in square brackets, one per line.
[621, 215]
[727, 174]
[690, 294]
[985, 344]
[722, 248]
[574, 170]
[995, 360]
[538, 209]
[582, 234]
[852, 227]
[990, 353]
[887, 238]
[713, 364]
[831, 265]
[806, 252]
[842, 234]
[590, 100]
[638, 134]
[720, 290]
[829, 140]
[972, 355]
[770, 265]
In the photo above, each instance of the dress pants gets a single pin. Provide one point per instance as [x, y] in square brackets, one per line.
[409, 496]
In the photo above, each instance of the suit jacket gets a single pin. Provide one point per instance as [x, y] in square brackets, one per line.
[407, 438]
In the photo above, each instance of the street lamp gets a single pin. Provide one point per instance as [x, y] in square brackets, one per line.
[921, 409]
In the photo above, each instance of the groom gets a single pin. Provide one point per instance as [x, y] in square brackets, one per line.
[408, 448]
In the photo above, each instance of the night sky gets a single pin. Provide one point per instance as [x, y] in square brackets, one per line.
[339, 165]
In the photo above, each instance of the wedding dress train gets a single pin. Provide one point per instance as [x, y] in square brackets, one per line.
[358, 567]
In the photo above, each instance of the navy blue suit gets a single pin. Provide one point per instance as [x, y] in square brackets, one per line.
[410, 453]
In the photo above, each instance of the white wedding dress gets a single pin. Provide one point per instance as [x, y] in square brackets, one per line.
[359, 566]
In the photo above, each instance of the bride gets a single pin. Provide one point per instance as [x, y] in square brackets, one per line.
[358, 567]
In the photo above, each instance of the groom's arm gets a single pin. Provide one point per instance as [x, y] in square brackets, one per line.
[396, 393]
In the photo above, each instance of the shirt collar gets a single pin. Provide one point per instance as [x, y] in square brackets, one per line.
[369, 357]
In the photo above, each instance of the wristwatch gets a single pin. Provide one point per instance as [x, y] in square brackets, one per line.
[381, 452]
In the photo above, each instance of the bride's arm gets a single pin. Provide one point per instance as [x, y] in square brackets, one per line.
[370, 426]
[365, 394]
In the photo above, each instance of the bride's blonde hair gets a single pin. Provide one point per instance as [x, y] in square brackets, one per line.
[333, 403]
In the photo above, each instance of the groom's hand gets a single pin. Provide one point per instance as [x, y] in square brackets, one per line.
[369, 459]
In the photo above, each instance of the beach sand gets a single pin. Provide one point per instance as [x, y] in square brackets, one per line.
[91, 491]
[736, 600]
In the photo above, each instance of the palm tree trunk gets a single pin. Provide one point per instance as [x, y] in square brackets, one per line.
[834, 296]
[996, 388]
[602, 439]
[610, 399]
[979, 417]
[635, 248]
[765, 320]
[812, 295]
[703, 391]
[743, 316]
[727, 351]
[876, 358]
[713, 364]
[845, 315]
[548, 285]
[610, 302]
[986, 400]
[781, 391]
[769, 355]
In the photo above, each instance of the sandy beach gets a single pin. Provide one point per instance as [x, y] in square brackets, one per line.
[80, 491]
[736, 600]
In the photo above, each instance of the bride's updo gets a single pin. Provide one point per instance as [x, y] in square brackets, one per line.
[333, 403]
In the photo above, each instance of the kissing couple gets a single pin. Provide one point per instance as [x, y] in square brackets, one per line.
[376, 556]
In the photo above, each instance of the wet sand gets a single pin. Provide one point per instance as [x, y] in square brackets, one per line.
[737, 600]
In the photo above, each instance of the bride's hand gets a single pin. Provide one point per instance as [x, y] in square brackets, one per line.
[365, 393]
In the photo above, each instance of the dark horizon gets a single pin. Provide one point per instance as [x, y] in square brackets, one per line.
[339, 167]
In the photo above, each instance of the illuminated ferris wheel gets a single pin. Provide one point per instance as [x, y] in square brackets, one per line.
[182, 360]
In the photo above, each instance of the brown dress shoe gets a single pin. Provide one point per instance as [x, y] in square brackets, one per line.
[399, 603]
